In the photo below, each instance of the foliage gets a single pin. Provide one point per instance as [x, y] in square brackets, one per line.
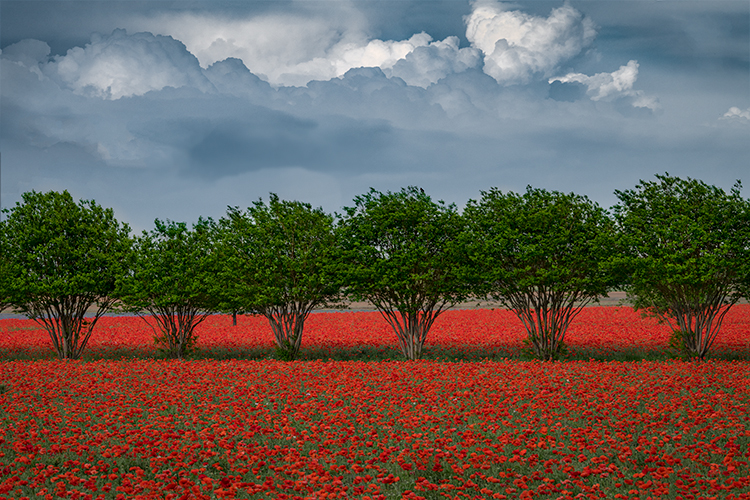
[686, 248]
[60, 259]
[279, 260]
[541, 254]
[231, 295]
[5, 270]
[172, 274]
[401, 253]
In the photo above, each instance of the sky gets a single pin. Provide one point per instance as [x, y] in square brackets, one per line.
[178, 109]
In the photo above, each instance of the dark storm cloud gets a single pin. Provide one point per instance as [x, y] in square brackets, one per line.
[568, 92]
[273, 140]
[708, 34]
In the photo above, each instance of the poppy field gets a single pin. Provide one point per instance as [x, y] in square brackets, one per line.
[468, 334]
[135, 426]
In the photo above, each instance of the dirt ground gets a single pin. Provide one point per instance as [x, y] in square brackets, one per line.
[613, 299]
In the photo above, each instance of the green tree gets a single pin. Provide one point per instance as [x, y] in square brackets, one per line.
[60, 260]
[401, 253]
[231, 295]
[173, 271]
[687, 253]
[279, 260]
[541, 254]
[4, 271]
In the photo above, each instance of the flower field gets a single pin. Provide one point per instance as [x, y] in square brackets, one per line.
[141, 427]
[470, 334]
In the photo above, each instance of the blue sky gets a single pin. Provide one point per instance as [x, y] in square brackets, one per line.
[179, 109]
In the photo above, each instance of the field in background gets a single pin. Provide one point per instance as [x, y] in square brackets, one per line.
[469, 334]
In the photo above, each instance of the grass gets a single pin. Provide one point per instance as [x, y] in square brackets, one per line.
[434, 353]
[6, 329]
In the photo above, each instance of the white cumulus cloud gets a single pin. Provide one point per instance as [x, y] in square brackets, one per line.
[428, 64]
[268, 44]
[28, 52]
[345, 56]
[122, 65]
[736, 113]
[517, 45]
[292, 49]
[615, 85]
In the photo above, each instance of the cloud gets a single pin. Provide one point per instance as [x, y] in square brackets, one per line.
[418, 60]
[605, 85]
[28, 52]
[345, 56]
[295, 48]
[143, 100]
[737, 114]
[121, 65]
[517, 46]
[611, 86]
[292, 49]
[428, 64]
[268, 43]
[242, 125]
[232, 77]
[198, 126]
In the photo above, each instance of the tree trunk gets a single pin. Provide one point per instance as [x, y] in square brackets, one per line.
[546, 315]
[411, 327]
[287, 324]
[697, 325]
[175, 329]
[66, 325]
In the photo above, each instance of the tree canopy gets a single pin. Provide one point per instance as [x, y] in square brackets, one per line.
[4, 272]
[279, 260]
[541, 254]
[686, 249]
[401, 253]
[172, 274]
[60, 259]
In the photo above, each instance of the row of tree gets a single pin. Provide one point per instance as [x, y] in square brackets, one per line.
[681, 249]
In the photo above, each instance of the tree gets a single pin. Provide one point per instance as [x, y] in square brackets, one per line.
[278, 259]
[62, 258]
[687, 252]
[231, 295]
[401, 253]
[173, 271]
[541, 254]
[4, 271]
